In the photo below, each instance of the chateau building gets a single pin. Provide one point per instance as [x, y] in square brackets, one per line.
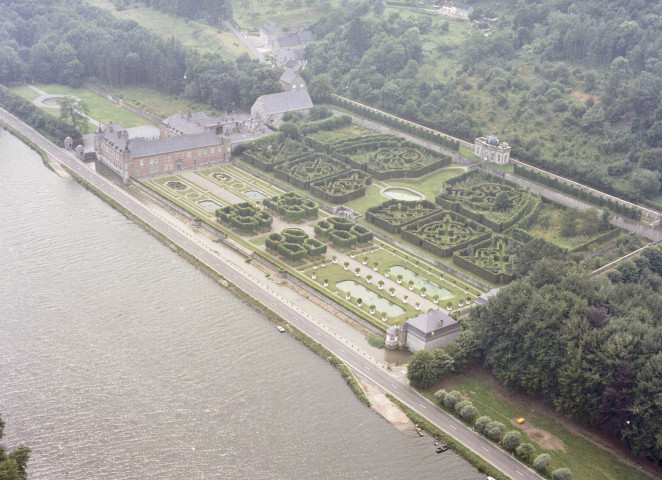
[428, 331]
[200, 122]
[135, 157]
[491, 150]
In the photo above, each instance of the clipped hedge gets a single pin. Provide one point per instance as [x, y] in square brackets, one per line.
[409, 127]
[314, 247]
[244, 217]
[292, 206]
[342, 188]
[362, 234]
[342, 238]
[393, 214]
[580, 193]
[323, 228]
[292, 251]
[294, 235]
[340, 223]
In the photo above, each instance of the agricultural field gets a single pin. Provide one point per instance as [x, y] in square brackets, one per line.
[199, 36]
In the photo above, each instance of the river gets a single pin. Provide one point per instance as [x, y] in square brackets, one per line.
[120, 360]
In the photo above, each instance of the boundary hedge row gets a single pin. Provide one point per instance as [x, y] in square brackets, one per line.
[580, 193]
[405, 126]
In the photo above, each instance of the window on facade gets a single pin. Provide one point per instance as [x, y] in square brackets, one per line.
[141, 163]
[188, 154]
[212, 150]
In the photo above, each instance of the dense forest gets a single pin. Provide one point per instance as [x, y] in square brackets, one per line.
[210, 11]
[592, 346]
[69, 42]
[572, 86]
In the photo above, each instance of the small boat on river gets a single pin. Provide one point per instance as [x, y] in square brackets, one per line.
[442, 448]
[280, 329]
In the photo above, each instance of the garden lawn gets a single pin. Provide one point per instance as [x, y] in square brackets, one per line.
[101, 109]
[548, 227]
[586, 460]
[344, 133]
[429, 185]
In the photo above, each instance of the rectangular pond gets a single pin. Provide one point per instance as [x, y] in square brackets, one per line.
[209, 205]
[432, 288]
[370, 298]
[255, 195]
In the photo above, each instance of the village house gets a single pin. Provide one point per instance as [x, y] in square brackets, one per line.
[269, 32]
[491, 150]
[271, 108]
[291, 80]
[135, 157]
[430, 330]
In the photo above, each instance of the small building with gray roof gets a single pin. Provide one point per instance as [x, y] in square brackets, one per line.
[271, 108]
[290, 80]
[430, 330]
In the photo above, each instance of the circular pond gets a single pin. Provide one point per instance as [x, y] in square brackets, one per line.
[403, 193]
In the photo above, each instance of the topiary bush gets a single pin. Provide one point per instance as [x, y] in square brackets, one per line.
[452, 399]
[542, 461]
[481, 423]
[494, 431]
[439, 396]
[469, 413]
[511, 440]
[562, 474]
[525, 451]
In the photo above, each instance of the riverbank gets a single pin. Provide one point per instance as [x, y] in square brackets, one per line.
[300, 319]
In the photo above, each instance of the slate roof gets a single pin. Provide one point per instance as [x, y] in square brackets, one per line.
[288, 41]
[271, 27]
[290, 77]
[306, 36]
[291, 101]
[144, 148]
[185, 124]
[430, 321]
[485, 297]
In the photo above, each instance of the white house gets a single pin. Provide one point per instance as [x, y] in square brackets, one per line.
[430, 330]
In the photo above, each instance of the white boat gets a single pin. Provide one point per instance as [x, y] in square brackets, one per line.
[280, 329]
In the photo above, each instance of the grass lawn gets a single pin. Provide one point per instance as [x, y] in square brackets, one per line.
[24, 92]
[199, 36]
[567, 449]
[429, 185]
[349, 131]
[548, 227]
[160, 104]
[101, 109]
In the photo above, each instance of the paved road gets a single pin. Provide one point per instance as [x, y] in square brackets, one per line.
[360, 362]
[244, 39]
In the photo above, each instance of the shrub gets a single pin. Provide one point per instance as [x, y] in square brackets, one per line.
[469, 413]
[460, 405]
[452, 398]
[542, 461]
[494, 430]
[440, 395]
[525, 451]
[562, 474]
[481, 423]
[511, 440]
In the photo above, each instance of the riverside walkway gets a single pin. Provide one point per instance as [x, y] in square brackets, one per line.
[357, 360]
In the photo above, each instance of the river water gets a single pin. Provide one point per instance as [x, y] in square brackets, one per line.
[120, 360]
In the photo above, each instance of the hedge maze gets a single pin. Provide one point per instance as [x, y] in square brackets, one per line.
[386, 157]
[294, 245]
[490, 259]
[244, 217]
[445, 233]
[342, 188]
[292, 207]
[302, 171]
[395, 214]
[342, 232]
[267, 152]
[487, 199]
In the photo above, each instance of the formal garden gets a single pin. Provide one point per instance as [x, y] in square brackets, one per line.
[245, 217]
[490, 259]
[292, 207]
